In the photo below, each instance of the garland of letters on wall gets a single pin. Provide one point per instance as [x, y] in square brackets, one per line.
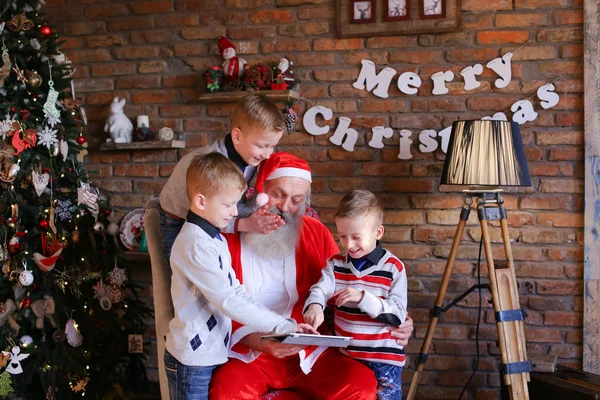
[409, 84]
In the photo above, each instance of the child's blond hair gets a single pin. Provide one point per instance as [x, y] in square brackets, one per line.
[360, 203]
[211, 173]
[257, 112]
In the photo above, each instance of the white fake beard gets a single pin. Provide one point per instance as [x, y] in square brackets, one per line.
[279, 244]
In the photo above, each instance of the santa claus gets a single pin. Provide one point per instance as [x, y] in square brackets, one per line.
[278, 269]
[234, 66]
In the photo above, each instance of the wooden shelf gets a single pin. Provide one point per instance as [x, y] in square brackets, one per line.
[136, 256]
[232, 97]
[149, 145]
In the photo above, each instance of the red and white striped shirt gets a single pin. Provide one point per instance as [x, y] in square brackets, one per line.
[384, 303]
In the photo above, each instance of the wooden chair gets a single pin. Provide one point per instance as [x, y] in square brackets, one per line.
[161, 289]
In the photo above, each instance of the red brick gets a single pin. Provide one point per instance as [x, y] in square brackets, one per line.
[573, 137]
[202, 32]
[544, 335]
[136, 52]
[93, 85]
[114, 185]
[153, 36]
[570, 254]
[204, 125]
[483, 5]
[103, 12]
[174, 81]
[152, 7]
[560, 35]
[105, 40]
[566, 154]
[559, 287]
[251, 32]
[410, 251]
[355, 58]
[464, 55]
[561, 219]
[568, 17]
[138, 82]
[313, 13]
[534, 270]
[131, 24]
[191, 49]
[82, 28]
[153, 96]
[113, 69]
[408, 185]
[529, 53]
[418, 57]
[563, 318]
[547, 237]
[569, 119]
[539, 4]
[271, 17]
[148, 170]
[571, 51]
[178, 20]
[477, 21]
[332, 75]
[130, 200]
[337, 44]
[501, 37]
[288, 3]
[154, 186]
[152, 67]
[89, 56]
[381, 42]
[520, 20]
[104, 98]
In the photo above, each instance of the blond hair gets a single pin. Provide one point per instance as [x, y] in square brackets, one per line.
[211, 173]
[360, 203]
[257, 112]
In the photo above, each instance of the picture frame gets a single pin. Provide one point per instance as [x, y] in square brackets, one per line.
[362, 11]
[432, 9]
[396, 10]
[386, 22]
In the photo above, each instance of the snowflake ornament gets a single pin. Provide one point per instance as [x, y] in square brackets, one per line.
[117, 276]
[6, 126]
[65, 209]
[47, 137]
[51, 119]
[100, 290]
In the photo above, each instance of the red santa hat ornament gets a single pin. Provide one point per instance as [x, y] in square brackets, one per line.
[224, 44]
[280, 165]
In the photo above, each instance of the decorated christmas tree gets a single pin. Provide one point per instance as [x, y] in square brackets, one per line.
[68, 309]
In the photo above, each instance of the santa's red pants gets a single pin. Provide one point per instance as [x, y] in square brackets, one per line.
[333, 377]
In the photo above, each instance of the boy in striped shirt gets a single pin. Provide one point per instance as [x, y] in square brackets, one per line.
[369, 286]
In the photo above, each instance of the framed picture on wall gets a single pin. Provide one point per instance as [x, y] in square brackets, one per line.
[362, 11]
[369, 18]
[432, 9]
[396, 10]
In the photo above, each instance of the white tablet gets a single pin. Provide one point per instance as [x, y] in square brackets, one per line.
[307, 339]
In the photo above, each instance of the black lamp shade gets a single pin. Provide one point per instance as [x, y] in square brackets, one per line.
[485, 153]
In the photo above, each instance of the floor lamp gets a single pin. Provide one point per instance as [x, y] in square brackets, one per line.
[486, 156]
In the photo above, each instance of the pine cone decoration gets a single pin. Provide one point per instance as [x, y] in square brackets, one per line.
[237, 85]
[290, 118]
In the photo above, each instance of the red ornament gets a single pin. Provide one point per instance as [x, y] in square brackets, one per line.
[107, 212]
[44, 224]
[12, 109]
[81, 139]
[46, 30]
[25, 303]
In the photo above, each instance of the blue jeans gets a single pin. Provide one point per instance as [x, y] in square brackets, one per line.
[389, 380]
[169, 229]
[186, 382]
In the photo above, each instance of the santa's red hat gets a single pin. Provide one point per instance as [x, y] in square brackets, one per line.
[281, 165]
[224, 44]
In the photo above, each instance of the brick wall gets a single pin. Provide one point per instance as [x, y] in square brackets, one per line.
[153, 53]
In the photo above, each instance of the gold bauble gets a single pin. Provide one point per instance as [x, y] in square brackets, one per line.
[35, 80]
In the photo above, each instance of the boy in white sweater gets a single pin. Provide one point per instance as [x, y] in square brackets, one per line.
[206, 294]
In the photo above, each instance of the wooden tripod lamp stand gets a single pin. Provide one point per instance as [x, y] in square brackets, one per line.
[485, 156]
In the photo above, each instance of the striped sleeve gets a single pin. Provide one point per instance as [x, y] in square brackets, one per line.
[322, 291]
[392, 309]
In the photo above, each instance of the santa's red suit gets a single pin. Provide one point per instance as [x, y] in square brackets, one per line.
[315, 373]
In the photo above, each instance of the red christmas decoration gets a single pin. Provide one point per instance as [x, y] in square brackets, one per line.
[12, 109]
[44, 224]
[25, 303]
[81, 139]
[46, 30]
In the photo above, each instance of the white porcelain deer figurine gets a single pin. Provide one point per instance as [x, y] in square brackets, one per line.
[118, 126]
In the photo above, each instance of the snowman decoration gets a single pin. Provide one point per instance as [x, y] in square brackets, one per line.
[233, 66]
[14, 364]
